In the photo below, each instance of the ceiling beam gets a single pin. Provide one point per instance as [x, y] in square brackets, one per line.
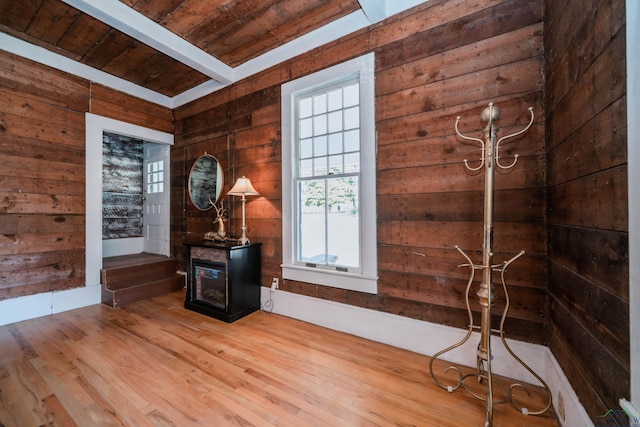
[54, 60]
[312, 40]
[129, 21]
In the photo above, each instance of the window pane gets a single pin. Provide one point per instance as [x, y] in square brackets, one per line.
[305, 108]
[320, 104]
[335, 121]
[311, 208]
[352, 140]
[343, 223]
[352, 162]
[306, 148]
[335, 143]
[320, 146]
[335, 100]
[319, 166]
[352, 118]
[335, 164]
[320, 125]
[306, 168]
[351, 95]
[306, 128]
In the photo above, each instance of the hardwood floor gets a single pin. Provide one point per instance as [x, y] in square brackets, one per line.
[153, 363]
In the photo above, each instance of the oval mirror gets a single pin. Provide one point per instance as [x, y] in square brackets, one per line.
[205, 182]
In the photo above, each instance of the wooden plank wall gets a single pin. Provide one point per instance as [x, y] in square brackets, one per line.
[42, 178]
[587, 177]
[434, 62]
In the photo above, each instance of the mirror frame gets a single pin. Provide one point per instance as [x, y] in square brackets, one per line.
[202, 173]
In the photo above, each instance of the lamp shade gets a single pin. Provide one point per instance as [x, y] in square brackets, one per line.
[243, 187]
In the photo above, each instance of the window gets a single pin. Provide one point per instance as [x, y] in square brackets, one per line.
[328, 177]
[155, 177]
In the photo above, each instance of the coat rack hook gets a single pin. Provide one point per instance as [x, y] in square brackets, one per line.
[512, 136]
[468, 138]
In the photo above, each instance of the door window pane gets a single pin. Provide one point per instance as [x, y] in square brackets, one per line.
[155, 177]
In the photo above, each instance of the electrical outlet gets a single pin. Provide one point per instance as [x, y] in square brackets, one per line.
[274, 283]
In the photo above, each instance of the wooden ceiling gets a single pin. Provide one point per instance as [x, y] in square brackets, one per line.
[172, 46]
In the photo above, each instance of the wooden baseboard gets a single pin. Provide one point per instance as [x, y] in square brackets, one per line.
[429, 338]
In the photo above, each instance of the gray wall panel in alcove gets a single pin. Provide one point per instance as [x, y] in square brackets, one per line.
[121, 186]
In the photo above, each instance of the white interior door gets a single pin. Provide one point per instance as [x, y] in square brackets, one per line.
[156, 198]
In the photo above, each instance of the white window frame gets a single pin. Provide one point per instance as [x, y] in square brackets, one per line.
[362, 67]
[633, 132]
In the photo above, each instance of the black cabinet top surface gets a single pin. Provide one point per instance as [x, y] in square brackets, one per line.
[230, 244]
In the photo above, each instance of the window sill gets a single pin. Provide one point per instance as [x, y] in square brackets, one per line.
[334, 279]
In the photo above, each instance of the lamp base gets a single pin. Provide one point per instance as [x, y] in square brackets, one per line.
[244, 240]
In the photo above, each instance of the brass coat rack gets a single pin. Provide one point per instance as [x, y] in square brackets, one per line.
[490, 160]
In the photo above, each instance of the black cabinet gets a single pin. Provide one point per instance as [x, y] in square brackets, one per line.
[223, 279]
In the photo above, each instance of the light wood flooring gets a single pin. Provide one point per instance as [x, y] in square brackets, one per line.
[153, 363]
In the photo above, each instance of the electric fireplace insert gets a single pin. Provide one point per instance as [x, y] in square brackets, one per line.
[210, 283]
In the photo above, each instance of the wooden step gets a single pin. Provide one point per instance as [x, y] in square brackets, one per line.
[128, 270]
[123, 296]
[129, 278]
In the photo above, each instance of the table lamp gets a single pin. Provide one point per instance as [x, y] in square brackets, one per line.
[243, 188]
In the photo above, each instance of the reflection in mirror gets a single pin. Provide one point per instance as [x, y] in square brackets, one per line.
[205, 182]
